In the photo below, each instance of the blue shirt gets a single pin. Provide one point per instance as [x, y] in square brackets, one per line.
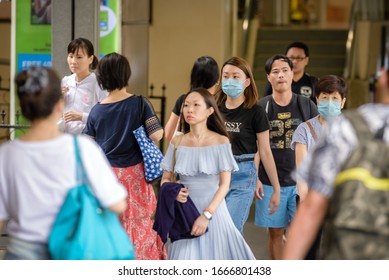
[112, 126]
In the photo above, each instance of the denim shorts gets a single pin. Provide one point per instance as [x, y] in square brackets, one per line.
[285, 212]
[24, 250]
[241, 194]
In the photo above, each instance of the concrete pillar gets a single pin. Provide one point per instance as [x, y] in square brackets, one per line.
[72, 19]
[135, 42]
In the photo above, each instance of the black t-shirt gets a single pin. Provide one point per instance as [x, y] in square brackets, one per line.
[178, 105]
[283, 122]
[305, 86]
[242, 125]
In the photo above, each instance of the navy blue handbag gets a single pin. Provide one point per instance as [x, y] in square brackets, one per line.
[84, 230]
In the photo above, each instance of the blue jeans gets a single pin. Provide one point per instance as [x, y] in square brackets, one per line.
[24, 250]
[241, 193]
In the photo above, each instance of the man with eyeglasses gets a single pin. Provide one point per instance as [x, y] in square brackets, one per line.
[303, 83]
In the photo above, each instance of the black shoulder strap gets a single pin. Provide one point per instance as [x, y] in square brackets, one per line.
[142, 109]
[265, 103]
[304, 106]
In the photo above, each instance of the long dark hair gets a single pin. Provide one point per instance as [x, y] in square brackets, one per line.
[215, 122]
[205, 73]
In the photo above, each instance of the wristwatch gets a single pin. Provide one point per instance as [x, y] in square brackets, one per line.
[207, 215]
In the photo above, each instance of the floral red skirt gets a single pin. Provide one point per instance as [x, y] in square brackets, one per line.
[141, 204]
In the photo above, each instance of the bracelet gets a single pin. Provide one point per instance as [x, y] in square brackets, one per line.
[209, 210]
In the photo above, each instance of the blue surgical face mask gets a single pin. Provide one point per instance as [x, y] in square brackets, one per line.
[233, 87]
[329, 108]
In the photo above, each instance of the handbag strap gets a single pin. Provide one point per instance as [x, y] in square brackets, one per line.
[142, 109]
[81, 172]
[311, 129]
[81, 176]
[79, 167]
[176, 144]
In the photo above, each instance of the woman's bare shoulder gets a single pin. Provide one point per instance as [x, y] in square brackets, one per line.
[177, 138]
[221, 139]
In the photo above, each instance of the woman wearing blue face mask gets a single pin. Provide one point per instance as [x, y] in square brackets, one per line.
[248, 129]
[330, 98]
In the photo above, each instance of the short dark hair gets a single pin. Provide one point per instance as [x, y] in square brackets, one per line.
[38, 90]
[270, 61]
[299, 45]
[330, 84]
[87, 46]
[113, 72]
[205, 73]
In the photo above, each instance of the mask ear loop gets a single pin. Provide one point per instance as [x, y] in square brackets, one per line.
[247, 79]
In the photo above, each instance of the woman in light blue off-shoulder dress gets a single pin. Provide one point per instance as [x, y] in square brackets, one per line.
[204, 162]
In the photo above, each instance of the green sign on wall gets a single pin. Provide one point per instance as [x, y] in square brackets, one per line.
[109, 30]
[33, 33]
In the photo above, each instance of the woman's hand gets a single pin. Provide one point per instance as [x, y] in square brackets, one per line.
[64, 90]
[72, 116]
[200, 226]
[183, 195]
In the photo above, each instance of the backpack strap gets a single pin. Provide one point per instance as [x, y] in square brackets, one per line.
[311, 129]
[265, 103]
[304, 106]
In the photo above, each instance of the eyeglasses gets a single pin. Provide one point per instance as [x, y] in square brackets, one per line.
[297, 58]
